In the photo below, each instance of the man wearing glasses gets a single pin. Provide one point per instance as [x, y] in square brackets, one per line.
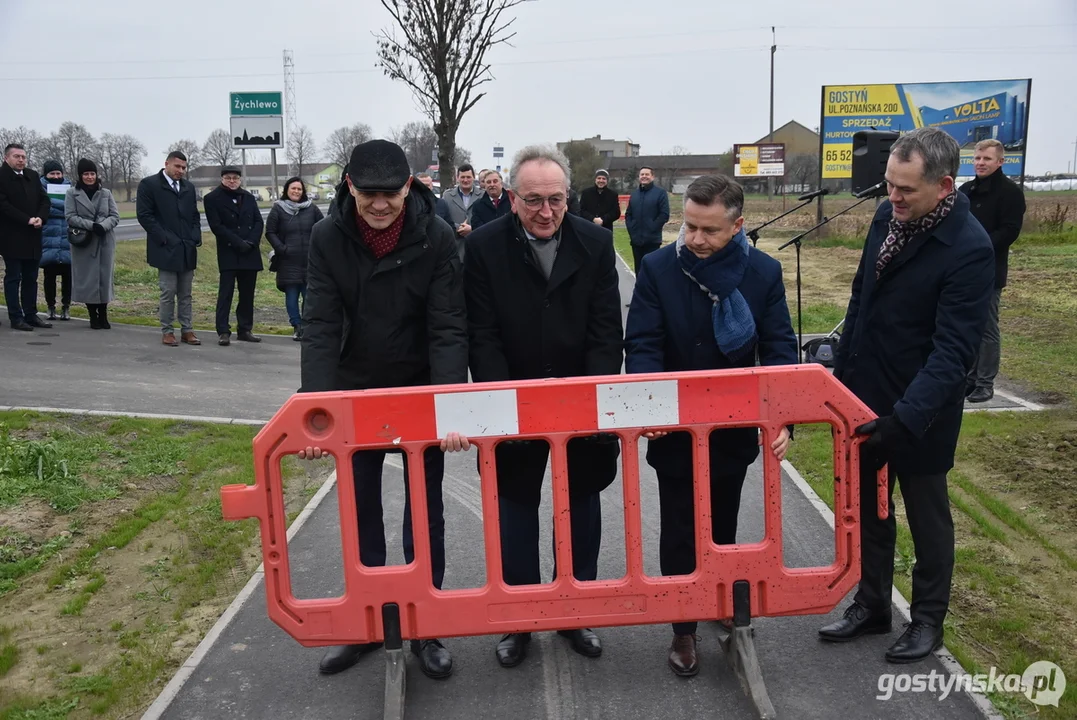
[543, 302]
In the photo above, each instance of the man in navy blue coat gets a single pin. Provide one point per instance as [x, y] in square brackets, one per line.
[916, 317]
[708, 302]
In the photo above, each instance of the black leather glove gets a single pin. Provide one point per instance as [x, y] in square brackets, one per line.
[887, 437]
[98, 230]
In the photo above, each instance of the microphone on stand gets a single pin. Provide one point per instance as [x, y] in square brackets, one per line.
[871, 191]
[813, 195]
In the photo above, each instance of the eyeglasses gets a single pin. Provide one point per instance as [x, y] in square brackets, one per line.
[534, 203]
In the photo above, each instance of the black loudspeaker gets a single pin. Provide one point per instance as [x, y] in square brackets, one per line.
[871, 148]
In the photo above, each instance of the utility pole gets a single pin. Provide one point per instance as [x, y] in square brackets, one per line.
[291, 120]
[770, 137]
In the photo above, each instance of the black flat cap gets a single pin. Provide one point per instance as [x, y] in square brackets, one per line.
[230, 170]
[378, 166]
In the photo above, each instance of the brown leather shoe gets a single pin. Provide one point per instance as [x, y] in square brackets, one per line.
[190, 338]
[683, 659]
[170, 340]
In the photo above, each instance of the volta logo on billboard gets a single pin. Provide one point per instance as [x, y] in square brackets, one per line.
[977, 108]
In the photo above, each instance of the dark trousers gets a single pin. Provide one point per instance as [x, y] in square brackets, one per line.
[367, 466]
[639, 251]
[927, 507]
[20, 288]
[987, 362]
[246, 279]
[677, 542]
[50, 273]
[520, 539]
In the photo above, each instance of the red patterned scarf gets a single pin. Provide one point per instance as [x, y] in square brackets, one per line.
[899, 233]
[381, 242]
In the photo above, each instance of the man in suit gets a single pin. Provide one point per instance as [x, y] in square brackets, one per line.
[168, 212]
[999, 204]
[459, 204]
[647, 213]
[916, 318]
[236, 222]
[24, 210]
[599, 203]
[494, 204]
[543, 302]
[672, 327]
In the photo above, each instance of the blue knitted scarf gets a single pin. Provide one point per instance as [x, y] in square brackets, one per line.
[719, 276]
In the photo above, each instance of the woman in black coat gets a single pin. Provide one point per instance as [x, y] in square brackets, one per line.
[288, 230]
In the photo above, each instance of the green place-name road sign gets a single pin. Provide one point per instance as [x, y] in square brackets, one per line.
[247, 104]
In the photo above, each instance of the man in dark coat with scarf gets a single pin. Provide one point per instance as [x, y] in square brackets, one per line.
[543, 302]
[599, 204]
[494, 204]
[385, 308]
[916, 317]
[236, 222]
[708, 302]
[24, 209]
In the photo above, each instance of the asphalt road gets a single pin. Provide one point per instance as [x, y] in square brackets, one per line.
[254, 670]
[131, 230]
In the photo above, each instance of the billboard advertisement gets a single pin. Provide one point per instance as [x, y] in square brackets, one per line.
[759, 160]
[969, 111]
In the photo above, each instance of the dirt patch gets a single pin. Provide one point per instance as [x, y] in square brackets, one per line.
[33, 519]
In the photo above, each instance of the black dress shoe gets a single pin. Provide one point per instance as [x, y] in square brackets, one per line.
[434, 660]
[512, 649]
[584, 641]
[22, 325]
[980, 395]
[919, 640]
[37, 322]
[343, 657]
[247, 336]
[858, 620]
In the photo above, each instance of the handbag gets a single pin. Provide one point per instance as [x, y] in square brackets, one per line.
[78, 237]
[274, 261]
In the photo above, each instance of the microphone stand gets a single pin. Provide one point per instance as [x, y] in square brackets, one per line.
[754, 234]
[796, 241]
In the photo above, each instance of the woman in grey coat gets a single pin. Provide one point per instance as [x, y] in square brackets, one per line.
[288, 231]
[91, 209]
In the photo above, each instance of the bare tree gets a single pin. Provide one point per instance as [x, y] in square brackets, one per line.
[802, 170]
[666, 176]
[29, 139]
[301, 149]
[442, 57]
[460, 157]
[419, 142]
[129, 155]
[109, 150]
[339, 144]
[584, 160]
[72, 142]
[218, 149]
[192, 150]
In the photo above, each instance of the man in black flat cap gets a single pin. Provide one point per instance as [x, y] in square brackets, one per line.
[385, 308]
[236, 222]
[599, 203]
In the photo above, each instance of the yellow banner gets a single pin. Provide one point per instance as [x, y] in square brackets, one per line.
[846, 100]
[837, 160]
[749, 160]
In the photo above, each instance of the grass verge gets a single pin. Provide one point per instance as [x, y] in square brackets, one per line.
[114, 560]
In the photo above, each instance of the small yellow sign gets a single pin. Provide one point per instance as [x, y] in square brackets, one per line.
[749, 160]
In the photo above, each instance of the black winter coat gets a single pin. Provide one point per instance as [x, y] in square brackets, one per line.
[911, 336]
[236, 222]
[21, 198]
[392, 322]
[172, 223]
[522, 326]
[601, 204]
[999, 204]
[484, 211]
[290, 237]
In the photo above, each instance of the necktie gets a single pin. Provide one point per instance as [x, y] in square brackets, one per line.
[175, 186]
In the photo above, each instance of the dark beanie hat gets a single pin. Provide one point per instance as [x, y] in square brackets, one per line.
[378, 166]
[230, 170]
[51, 166]
[86, 166]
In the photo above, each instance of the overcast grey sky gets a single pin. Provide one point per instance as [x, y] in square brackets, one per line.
[693, 73]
